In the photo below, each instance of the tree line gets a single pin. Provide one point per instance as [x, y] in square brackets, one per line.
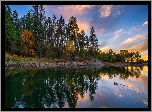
[122, 56]
[35, 35]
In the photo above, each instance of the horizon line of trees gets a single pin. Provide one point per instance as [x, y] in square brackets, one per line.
[35, 35]
[123, 56]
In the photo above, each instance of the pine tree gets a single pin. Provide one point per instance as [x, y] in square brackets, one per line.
[10, 33]
[17, 24]
[81, 41]
[73, 29]
[38, 15]
[93, 42]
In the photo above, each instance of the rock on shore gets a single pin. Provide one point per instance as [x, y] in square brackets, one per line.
[46, 64]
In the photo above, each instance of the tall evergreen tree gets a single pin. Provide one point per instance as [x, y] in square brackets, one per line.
[29, 20]
[10, 33]
[93, 42]
[22, 23]
[73, 29]
[18, 30]
[38, 14]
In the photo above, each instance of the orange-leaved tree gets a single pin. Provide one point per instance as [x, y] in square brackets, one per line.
[28, 41]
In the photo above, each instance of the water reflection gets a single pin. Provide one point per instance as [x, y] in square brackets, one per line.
[59, 87]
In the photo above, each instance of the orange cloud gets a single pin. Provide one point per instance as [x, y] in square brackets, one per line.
[133, 39]
[104, 49]
[140, 47]
[83, 26]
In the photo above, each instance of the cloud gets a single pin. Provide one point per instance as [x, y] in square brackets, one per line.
[82, 14]
[104, 49]
[67, 11]
[105, 10]
[128, 41]
[83, 26]
[75, 10]
[145, 23]
[79, 8]
[110, 20]
[136, 38]
[131, 29]
[100, 31]
[117, 33]
[137, 28]
[140, 47]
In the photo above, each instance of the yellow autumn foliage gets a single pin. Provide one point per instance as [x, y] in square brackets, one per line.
[69, 46]
[27, 37]
[26, 34]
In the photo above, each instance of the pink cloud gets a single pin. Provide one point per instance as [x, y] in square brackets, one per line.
[100, 31]
[67, 11]
[105, 10]
[117, 33]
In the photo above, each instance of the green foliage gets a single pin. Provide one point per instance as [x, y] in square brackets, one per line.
[10, 33]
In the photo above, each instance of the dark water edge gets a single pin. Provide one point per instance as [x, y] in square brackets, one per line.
[105, 87]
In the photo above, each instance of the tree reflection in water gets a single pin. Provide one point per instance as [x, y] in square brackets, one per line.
[53, 87]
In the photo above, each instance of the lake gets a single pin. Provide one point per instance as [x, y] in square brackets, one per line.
[105, 87]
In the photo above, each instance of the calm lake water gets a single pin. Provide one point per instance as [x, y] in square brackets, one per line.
[107, 87]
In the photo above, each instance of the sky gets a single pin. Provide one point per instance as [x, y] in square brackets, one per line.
[117, 27]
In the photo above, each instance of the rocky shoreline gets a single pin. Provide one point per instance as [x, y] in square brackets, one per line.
[69, 64]
[55, 64]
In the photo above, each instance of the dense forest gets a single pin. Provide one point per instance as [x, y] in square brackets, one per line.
[35, 35]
